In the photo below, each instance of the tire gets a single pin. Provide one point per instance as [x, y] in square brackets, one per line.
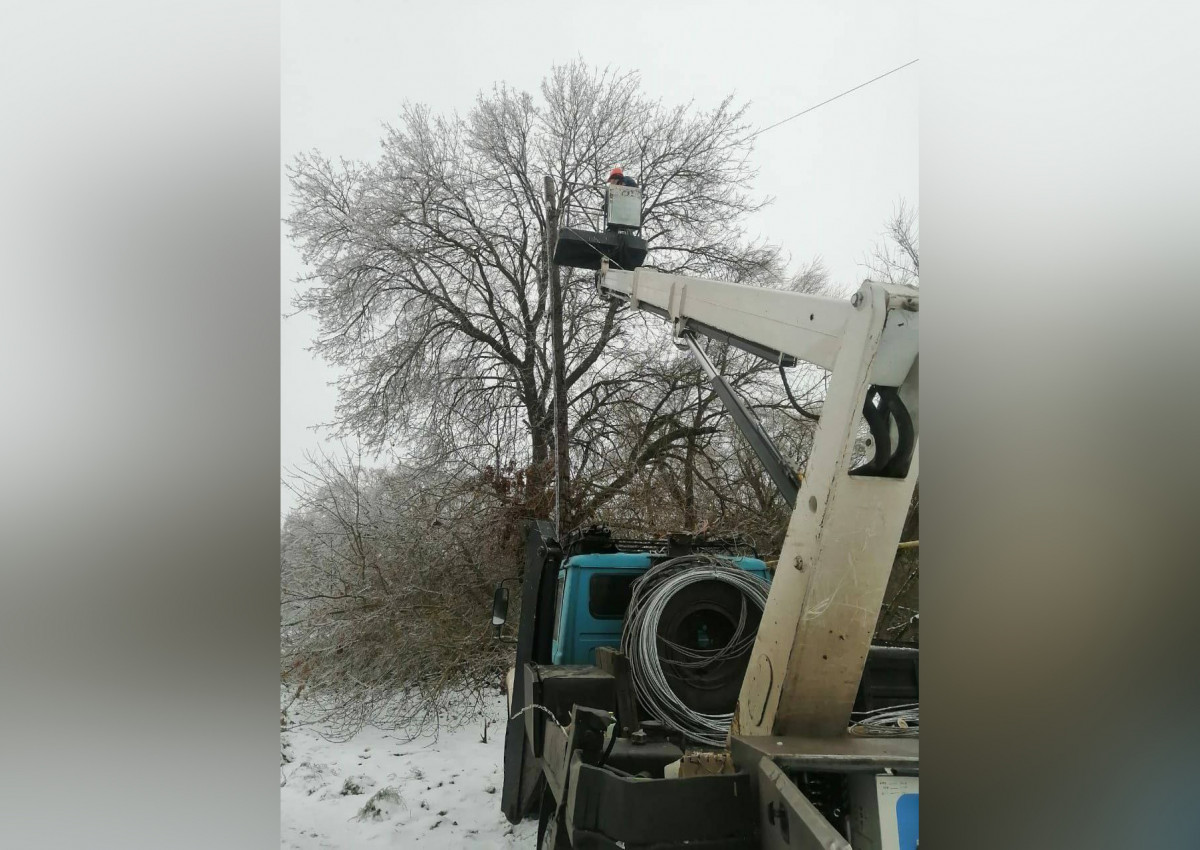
[711, 608]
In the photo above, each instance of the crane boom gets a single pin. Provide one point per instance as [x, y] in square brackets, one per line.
[846, 521]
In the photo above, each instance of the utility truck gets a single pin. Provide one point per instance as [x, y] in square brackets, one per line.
[678, 693]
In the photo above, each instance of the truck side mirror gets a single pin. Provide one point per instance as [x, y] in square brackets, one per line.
[500, 607]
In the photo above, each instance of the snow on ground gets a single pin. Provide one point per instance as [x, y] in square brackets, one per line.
[376, 790]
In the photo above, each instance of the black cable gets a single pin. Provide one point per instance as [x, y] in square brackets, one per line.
[815, 417]
[612, 741]
[906, 442]
[831, 100]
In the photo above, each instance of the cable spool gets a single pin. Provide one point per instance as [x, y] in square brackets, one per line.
[688, 634]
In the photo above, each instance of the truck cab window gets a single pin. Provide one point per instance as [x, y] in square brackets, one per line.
[609, 595]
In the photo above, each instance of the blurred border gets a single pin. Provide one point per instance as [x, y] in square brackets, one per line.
[139, 607]
[1060, 200]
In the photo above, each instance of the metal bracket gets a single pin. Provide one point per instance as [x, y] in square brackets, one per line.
[788, 819]
[600, 273]
[679, 327]
[675, 303]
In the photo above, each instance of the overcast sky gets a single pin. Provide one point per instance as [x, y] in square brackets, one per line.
[836, 173]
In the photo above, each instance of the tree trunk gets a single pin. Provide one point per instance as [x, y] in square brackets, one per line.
[535, 475]
[539, 439]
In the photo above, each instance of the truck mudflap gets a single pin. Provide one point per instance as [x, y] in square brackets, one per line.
[606, 811]
[588, 804]
[522, 772]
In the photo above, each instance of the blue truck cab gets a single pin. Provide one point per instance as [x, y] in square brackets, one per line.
[592, 596]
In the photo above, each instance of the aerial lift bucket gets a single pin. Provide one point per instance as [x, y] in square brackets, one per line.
[619, 243]
[584, 249]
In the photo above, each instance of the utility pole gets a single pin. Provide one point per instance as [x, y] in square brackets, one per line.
[558, 378]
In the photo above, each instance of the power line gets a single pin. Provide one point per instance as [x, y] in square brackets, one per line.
[831, 100]
[759, 133]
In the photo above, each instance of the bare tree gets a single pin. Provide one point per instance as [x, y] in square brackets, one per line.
[429, 276]
[386, 575]
[386, 579]
[896, 259]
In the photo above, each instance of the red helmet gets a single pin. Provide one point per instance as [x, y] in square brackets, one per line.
[616, 172]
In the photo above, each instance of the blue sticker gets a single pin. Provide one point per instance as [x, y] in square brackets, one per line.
[906, 821]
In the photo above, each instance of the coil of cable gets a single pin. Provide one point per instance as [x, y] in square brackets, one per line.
[898, 721]
[655, 660]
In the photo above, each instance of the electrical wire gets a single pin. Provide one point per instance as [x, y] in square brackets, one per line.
[612, 741]
[757, 133]
[896, 721]
[815, 417]
[642, 644]
[542, 709]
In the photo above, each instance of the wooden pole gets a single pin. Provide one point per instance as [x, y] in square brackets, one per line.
[561, 445]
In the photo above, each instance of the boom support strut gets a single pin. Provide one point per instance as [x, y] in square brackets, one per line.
[768, 453]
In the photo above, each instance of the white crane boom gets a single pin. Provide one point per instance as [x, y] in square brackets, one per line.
[846, 522]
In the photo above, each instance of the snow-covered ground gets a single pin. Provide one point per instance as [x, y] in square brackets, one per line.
[377, 790]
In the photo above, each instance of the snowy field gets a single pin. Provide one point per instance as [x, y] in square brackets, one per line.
[375, 790]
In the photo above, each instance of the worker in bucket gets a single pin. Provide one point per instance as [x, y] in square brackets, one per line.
[617, 177]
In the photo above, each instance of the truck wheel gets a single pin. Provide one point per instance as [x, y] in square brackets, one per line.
[704, 617]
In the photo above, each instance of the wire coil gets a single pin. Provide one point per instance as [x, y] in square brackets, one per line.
[642, 644]
[898, 721]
